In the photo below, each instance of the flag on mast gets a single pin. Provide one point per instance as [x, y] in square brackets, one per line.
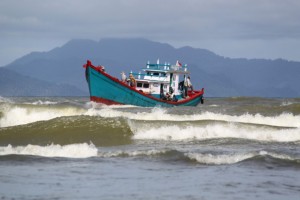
[178, 63]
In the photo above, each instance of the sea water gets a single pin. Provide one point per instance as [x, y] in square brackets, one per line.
[227, 148]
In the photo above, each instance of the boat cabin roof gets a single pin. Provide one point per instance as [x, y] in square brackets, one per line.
[151, 81]
[166, 68]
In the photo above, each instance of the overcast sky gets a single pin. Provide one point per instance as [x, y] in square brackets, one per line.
[231, 28]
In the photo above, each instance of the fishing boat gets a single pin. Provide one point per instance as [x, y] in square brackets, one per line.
[158, 85]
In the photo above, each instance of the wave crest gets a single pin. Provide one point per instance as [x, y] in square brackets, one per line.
[216, 130]
[83, 150]
[222, 159]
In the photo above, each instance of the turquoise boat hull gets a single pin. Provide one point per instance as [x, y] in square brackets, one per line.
[109, 90]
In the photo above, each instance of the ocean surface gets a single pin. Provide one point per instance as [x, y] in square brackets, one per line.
[228, 148]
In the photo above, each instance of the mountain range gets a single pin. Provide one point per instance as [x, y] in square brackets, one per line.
[14, 84]
[59, 72]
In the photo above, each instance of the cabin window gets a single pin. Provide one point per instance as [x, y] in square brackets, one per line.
[163, 74]
[142, 85]
[139, 84]
[155, 73]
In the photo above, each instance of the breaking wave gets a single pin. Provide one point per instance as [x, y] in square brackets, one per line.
[13, 115]
[68, 151]
[85, 150]
[221, 159]
[217, 130]
[44, 122]
[201, 158]
[17, 115]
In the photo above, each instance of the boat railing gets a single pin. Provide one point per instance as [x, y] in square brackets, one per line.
[166, 67]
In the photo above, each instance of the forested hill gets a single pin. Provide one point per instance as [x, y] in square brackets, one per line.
[14, 84]
[219, 76]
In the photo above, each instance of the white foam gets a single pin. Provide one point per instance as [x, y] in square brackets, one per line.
[95, 105]
[215, 131]
[40, 102]
[286, 103]
[284, 119]
[83, 150]
[219, 159]
[279, 156]
[16, 115]
[5, 100]
[155, 114]
[130, 153]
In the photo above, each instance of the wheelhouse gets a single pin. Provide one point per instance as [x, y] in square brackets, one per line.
[160, 79]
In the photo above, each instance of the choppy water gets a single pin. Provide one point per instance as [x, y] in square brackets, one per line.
[228, 148]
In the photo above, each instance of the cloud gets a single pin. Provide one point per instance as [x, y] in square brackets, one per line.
[179, 22]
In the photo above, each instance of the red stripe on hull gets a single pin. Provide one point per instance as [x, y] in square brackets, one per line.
[104, 101]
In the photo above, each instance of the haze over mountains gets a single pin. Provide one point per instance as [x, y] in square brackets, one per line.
[59, 72]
